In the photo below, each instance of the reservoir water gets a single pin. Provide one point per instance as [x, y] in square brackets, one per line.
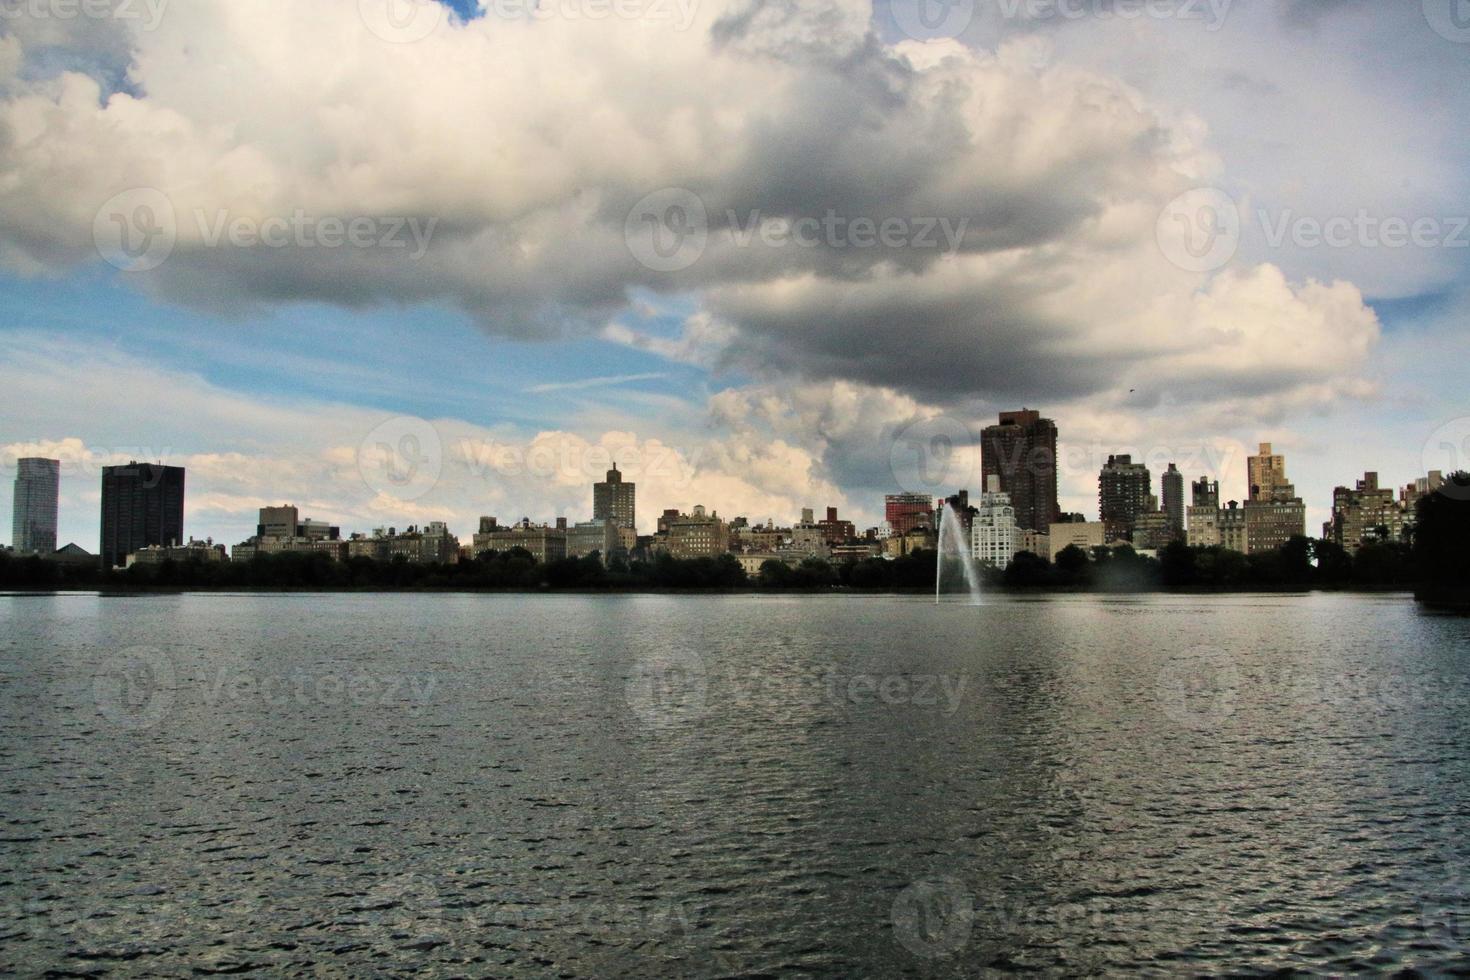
[731, 785]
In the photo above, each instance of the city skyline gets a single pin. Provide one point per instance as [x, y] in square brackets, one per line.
[148, 505]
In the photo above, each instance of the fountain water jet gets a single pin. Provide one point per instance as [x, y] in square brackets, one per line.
[954, 547]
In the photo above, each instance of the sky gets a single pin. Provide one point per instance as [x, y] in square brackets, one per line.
[396, 261]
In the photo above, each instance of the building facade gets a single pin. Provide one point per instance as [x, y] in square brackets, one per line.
[1173, 502]
[698, 535]
[1081, 534]
[905, 511]
[1273, 512]
[1021, 451]
[37, 491]
[1203, 515]
[993, 536]
[1123, 491]
[205, 551]
[1366, 513]
[142, 505]
[598, 536]
[1232, 527]
[545, 543]
[616, 501]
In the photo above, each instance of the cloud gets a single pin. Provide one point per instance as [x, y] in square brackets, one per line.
[1020, 191]
[93, 407]
[582, 384]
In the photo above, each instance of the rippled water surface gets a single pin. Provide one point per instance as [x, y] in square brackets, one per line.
[592, 786]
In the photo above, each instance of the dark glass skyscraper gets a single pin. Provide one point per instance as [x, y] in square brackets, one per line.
[142, 504]
[33, 521]
[1022, 451]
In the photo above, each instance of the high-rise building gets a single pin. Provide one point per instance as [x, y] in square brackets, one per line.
[1021, 450]
[993, 530]
[1366, 513]
[1123, 492]
[1204, 513]
[33, 523]
[1267, 474]
[613, 500]
[836, 531]
[1173, 482]
[142, 504]
[1232, 527]
[905, 511]
[1273, 512]
[1205, 492]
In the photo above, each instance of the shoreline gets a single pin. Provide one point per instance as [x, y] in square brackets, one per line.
[1408, 592]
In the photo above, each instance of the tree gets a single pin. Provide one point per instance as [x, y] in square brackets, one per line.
[1027, 570]
[1442, 543]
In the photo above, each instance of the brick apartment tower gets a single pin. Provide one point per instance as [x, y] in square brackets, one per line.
[1021, 450]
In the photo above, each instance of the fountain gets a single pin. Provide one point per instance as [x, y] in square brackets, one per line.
[953, 547]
